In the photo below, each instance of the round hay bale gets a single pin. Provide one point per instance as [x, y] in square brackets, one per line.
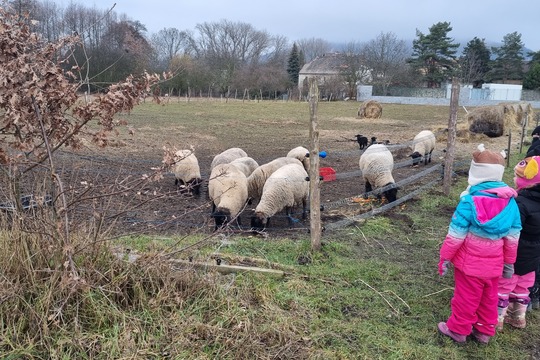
[491, 120]
[370, 110]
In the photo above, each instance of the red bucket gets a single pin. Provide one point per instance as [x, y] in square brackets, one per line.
[327, 173]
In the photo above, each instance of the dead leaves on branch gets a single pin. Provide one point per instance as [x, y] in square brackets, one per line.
[41, 77]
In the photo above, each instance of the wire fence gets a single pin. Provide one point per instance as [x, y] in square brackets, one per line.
[112, 188]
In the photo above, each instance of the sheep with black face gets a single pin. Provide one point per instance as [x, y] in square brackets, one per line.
[258, 177]
[286, 188]
[376, 164]
[227, 189]
[227, 156]
[302, 154]
[423, 146]
[186, 171]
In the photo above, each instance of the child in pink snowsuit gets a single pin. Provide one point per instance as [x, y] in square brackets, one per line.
[514, 291]
[482, 238]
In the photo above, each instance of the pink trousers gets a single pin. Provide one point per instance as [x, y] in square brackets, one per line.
[516, 287]
[474, 304]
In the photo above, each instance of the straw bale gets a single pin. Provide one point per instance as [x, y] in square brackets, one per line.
[494, 121]
[370, 110]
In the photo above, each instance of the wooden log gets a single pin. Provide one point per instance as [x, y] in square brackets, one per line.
[226, 269]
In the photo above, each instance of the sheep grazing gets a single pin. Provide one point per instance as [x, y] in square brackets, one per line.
[227, 189]
[258, 177]
[302, 154]
[227, 156]
[187, 171]
[376, 164]
[245, 164]
[362, 141]
[285, 188]
[423, 145]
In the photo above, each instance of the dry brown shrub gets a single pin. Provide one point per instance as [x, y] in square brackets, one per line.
[370, 110]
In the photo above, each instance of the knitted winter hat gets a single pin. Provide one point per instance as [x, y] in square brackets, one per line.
[527, 172]
[486, 165]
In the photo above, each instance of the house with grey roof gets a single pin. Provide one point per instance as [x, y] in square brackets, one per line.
[329, 70]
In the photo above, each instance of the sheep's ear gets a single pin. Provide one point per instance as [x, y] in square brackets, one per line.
[504, 153]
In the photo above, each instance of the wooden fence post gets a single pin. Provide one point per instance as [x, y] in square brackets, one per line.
[523, 129]
[509, 147]
[451, 143]
[314, 191]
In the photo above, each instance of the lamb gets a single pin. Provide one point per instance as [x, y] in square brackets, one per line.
[302, 154]
[362, 141]
[258, 177]
[227, 156]
[245, 164]
[187, 171]
[423, 145]
[376, 164]
[227, 189]
[284, 189]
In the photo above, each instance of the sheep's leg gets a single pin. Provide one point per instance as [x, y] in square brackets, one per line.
[304, 209]
[426, 158]
[239, 221]
[430, 155]
[369, 189]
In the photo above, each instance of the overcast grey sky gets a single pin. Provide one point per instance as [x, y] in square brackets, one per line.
[343, 21]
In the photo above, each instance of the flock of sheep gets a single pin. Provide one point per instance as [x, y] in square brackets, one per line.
[282, 184]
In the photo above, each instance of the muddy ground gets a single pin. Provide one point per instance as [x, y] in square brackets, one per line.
[109, 189]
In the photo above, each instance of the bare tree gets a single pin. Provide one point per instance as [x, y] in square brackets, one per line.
[168, 43]
[227, 46]
[353, 70]
[49, 21]
[386, 56]
[313, 47]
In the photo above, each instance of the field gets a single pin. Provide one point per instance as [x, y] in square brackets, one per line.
[372, 292]
[265, 130]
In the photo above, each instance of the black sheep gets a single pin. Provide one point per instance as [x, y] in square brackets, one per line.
[362, 141]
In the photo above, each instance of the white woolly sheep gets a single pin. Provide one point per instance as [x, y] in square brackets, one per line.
[227, 156]
[187, 171]
[258, 177]
[302, 154]
[284, 189]
[423, 145]
[376, 164]
[227, 189]
[245, 164]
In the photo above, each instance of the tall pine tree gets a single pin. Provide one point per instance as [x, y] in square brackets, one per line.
[434, 54]
[475, 62]
[508, 64]
[294, 65]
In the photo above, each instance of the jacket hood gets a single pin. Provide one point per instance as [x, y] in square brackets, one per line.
[494, 208]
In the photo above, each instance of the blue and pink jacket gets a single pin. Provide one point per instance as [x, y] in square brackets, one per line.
[484, 230]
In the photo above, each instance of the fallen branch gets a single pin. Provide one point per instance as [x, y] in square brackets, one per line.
[228, 269]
